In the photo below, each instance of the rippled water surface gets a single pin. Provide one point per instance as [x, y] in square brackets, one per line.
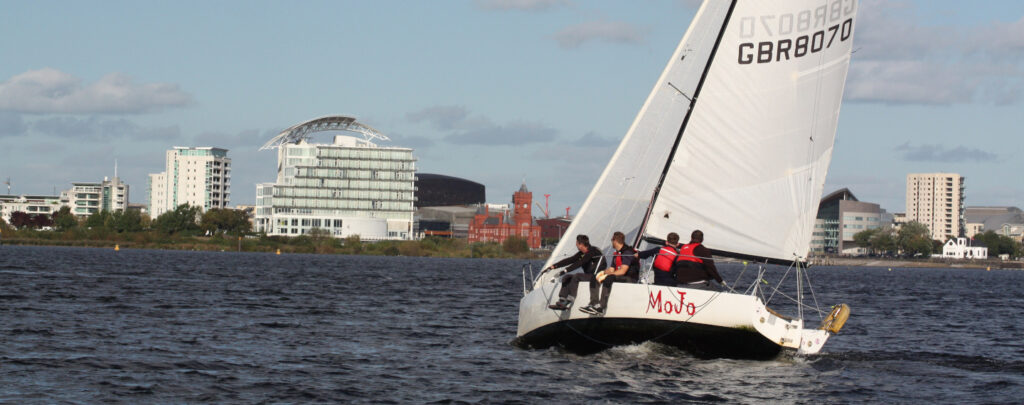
[139, 326]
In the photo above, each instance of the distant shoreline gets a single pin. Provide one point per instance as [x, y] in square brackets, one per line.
[208, 246]
[917, 263]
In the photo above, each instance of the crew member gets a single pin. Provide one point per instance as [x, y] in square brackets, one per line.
[694, 267]
[588, 258]
[666, 257]
[625, 269]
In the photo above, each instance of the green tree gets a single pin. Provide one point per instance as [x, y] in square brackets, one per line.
[515, 245]
[225, 220]
[884, 241]
[98, 220]
[863, 238]
[999, 244]
[181, 220]
[125, 221]
[914, 238]
[64, 219]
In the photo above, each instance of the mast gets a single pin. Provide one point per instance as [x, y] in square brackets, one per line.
[682, 126]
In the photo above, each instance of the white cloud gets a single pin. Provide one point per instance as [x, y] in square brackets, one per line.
[98, 128]
[902, 61]
[47, 91]
[514, 133]
[522, 5]
[602, 31]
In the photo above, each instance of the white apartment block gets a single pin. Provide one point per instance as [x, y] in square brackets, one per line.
[348, 187]
[937, 201]
[30, 204]
[86, 199]
[197, 176]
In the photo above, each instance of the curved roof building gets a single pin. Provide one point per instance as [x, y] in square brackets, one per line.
[436, 190]
[348, 187]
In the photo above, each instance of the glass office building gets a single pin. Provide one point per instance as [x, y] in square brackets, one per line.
[349, 187]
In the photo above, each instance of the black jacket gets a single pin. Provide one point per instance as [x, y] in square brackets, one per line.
[589, 261]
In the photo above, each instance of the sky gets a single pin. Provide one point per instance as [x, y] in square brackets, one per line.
[494, 91]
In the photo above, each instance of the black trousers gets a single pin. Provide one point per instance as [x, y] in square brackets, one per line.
[595, 287]
[571, 283]
[665, 278]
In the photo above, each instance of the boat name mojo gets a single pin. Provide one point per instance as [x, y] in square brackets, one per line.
[788, 23]
[667, 306]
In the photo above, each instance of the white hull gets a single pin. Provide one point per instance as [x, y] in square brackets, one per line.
[711, 324]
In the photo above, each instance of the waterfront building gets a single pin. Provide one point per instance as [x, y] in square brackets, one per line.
[30, 204]
[937, 201]
[1007, 221]
[197, 176]
[447, 221]
[87, 198]
[348, 187]
[438, 190]
[840, 217]
[553, 228]
[964, 248]
[496, 226]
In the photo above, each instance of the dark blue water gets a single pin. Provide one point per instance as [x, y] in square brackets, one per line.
[92, 325]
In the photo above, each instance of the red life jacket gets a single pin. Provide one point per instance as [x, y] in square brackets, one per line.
[618, 260]
[686, 253]
[666, 257]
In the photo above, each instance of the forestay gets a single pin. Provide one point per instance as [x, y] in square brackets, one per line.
[623, 193]
[751, 163]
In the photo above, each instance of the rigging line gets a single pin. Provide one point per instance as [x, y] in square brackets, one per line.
[792, 299]
[686, 120]
[780, 284]
[814, 297]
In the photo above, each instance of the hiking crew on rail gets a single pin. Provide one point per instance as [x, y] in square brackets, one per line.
[688, 265]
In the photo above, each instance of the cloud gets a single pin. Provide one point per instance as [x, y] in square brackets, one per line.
[50, 91]
[601, 31]
[939, 153]
[249, 138]
[97, 128]
[462, 127]
[411, 141]
[520, 5]
[12, 124]
[440, 117]
[593, 139]
[514, 133]
[899, 60]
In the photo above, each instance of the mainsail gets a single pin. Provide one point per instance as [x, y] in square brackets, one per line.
[623, 193]
[751, 164]
[737, 135]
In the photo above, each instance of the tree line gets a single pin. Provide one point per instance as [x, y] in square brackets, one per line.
[914, 239]
[186, 227]
[183, 220]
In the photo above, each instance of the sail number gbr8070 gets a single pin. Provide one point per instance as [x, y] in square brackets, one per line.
[823, 26]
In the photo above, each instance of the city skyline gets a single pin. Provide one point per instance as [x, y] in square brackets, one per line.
[491, 91]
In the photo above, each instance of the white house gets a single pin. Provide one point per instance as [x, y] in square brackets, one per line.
[959, 248]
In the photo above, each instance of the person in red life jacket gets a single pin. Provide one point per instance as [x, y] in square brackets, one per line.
[588, 258]
[694, 268]
[665, 257]
[625, 269]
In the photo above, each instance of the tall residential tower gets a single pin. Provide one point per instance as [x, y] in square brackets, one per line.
[937, 201]
[197, 176]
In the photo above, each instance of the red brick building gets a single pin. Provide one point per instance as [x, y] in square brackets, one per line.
[496, 227]
[553, 228]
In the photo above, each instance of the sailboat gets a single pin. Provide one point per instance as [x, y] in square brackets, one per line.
[735, 140]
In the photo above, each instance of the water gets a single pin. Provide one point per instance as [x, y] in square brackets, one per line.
[93, 325]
